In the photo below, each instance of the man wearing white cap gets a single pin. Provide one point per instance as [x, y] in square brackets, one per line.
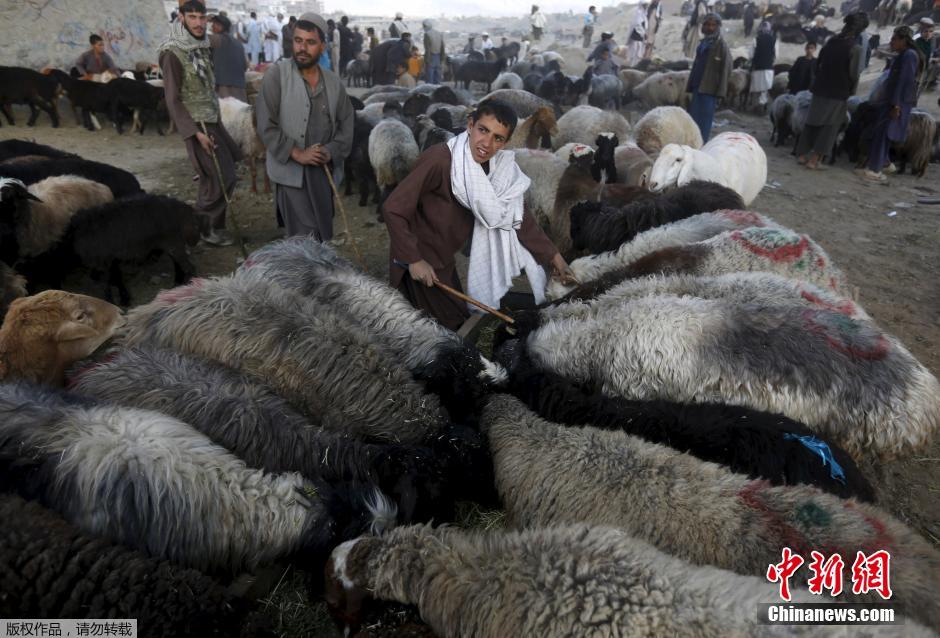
[398, 26]
[487, 44]
[305, 120]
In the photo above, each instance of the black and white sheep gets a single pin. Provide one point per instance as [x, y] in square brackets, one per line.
[597, 228]
[560, 581]
[666, 125]
[87, 98]
[50, 569]
[154, 483]
[263, 429]
[842, 377]
[759, 445]
[445, 363]
[26, 86]
[143, 99]
[548, 474]
[308, 354]
[59, 198]
[121, 182]
[687, 231]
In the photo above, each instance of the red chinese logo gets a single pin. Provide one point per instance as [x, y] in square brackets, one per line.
[869, 573]
[782, 571]
[872, 573]
[826, 574]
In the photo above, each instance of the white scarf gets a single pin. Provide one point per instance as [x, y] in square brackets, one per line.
[496, 256]
[199, 51]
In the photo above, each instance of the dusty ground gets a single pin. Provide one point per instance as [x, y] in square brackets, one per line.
[893, 260]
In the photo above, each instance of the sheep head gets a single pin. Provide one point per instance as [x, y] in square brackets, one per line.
[604, 168]
[582, 157]
[346, 588]
[44, 334]
[668, 167]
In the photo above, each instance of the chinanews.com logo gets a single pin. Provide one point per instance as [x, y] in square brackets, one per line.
[870, 574]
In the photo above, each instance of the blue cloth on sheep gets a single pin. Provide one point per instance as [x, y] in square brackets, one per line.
[822, 449]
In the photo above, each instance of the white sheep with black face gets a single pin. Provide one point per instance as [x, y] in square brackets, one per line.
[735, 160]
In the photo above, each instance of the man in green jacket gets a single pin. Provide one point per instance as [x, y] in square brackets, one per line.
[708, 79]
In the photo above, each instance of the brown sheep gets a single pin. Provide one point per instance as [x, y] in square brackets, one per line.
[44, 334]
[535, 131]
[59, 197]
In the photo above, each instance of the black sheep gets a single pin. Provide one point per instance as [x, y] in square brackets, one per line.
[12, 149]
[86, 96]
[598, 228]
[25, 86]
[761, 445]
[473, 71]
[357, 164]
[49, 569]
[144, 100]
[121, 182]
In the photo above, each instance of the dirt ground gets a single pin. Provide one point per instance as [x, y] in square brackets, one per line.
[885, 241]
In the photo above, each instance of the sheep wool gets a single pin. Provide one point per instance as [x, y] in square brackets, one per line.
[525, 104]
[560, 581]
[844, 378]
[584, 123]
[393, 152]
[154, 483]
[666, 125]
[548, 475]
[60, 197]
[686, 231]
[306, 353]
[49, 569]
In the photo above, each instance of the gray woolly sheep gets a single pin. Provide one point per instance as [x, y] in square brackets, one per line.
[738, 83]
[780, 84]
[427, 133]
[239, 121]
[799, 113]
[606, 92]
[448, 366]
[49, 569]
[662, 89]
[458, 114]
[781, 111]
[584, 123]
[525, 104]
[548, 474]
[561, 581]
[686, 231]
[306, 353]
[392, 152]
[631, 78]
[744, 250]
[535, 131]
[666, 125]
[633, 165]
[261, 428]
[545, 169]
[44, 334]
[508, 80]
[842, 377]
[154, 483]
[59, 197]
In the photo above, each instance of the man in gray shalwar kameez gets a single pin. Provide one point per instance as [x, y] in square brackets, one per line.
[305, 120]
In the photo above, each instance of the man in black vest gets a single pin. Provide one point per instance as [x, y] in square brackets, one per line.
[229, 60]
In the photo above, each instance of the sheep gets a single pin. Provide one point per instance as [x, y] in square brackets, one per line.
[44, 334]
[59, 198]
[597, 228]
[555, 87]
[548, 474]
[12, 286]
[508, 80]
[846, 379]
[12, 149]
[473, 71]
[666, 125]
[916, 148]
[545, 170]
[308, 354]
[735, 160]
[535, 131]
[393, 152]
[357, 71]
[738, 83]
[263, 429]
[686, 231]
[522, 102]
[574, 152]
[606, 92]
[458, 114]
[780, 84]
[633, 165]
[87, 96]
[559, 581]
[52, 570]
[661, 89]
[26, 86]
[121, 182]
[357, 166]
[154, 483]
[427, 134]
[799, 113]
[382, 98]
[142, 98]
[238, 119]
[744, 250]
[584, 123]
[781, 111]
[449, 367]
[766, 446]
[630, 78]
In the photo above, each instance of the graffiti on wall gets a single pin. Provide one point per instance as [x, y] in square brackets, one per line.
[121, 38]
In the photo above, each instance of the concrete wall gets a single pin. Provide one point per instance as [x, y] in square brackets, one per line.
[38, 33]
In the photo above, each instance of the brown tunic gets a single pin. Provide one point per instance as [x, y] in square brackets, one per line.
[425, 222]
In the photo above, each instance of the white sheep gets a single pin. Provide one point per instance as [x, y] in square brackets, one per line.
[60, 197]
[393, 152]
[666, 125]
[633, 165]
[686, 231]
[545, 169]
[508, 80]
[733, 159]
[584, 123]
[239, 120]
[662, 89]
[631, 78]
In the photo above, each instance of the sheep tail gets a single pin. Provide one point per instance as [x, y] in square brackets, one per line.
[383, 511]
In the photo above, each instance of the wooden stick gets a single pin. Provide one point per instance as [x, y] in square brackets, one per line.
[342, 210]
[236, 230]
[482, 306]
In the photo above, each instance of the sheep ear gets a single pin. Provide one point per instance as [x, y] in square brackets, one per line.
[685, 173]
[73, 331]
